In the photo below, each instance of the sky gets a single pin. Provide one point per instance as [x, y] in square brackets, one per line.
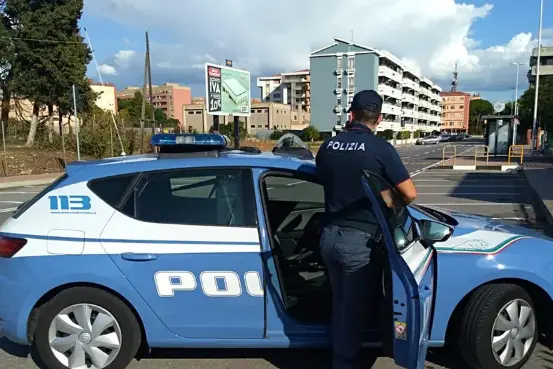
[485, 38]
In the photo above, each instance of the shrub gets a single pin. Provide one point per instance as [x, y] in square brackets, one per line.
[311, 133]
[276, 135]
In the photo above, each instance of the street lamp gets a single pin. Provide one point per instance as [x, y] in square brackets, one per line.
[516, 88]
[535, 120]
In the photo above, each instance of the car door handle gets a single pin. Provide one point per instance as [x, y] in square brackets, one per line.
[131, 256]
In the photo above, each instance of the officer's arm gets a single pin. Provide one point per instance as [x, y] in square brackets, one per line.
[399, 177]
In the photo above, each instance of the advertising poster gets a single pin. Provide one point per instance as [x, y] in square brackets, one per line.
[227, 91]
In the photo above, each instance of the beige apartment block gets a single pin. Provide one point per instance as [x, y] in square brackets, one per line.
[293, 88]
[265, 117]
[455, 112]
[107, 96]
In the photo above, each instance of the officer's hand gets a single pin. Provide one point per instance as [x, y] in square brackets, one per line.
[392, 201]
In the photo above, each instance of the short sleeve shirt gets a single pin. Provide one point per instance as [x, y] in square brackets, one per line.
[341, 161]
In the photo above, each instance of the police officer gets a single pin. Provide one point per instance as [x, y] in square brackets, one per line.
[348, 241]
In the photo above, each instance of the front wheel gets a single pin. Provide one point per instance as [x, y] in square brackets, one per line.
[498, 329]
[86, 327]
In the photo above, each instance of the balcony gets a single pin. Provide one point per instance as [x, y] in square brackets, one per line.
[410, 99]
[408, 113]
[410, 84]
[386, 90]
[545, 70]
[384, 71]
[424, 91]
[391, 109]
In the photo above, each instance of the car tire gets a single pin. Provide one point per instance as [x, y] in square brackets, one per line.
[60, 313]
[480, 319]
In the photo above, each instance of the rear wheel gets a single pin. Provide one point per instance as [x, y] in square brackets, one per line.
[86, 328]
[498, 328]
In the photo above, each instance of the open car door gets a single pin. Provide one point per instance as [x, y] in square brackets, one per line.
[412, 260]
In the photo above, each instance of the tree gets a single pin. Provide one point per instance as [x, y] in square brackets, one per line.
[478, 108]
[7, 52]
[545, 106]
[51, 55]
[132, 110]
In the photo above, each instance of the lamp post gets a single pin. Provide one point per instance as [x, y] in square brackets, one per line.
[535, 120]
[516, 88]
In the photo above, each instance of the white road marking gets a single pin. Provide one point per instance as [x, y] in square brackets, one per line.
[7, 210]
[472, 186]
[11, 202]
[464, 180]
[471, 193]
[473, 204]
[417, 172]
[295, 183]
[508, 218]
[16, 193]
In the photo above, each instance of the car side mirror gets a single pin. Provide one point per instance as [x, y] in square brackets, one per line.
[432, 231]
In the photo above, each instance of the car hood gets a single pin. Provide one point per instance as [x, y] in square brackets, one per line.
[473, 222]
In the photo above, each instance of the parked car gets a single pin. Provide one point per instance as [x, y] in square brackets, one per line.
[445, 137]
[429, 140]
[203, 246]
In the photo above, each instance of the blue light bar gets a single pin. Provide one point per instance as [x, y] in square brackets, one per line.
[188, 142]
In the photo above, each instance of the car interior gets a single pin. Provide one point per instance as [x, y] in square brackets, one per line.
[295, 211]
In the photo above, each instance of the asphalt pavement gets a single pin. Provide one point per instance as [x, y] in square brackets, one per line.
[499, 195]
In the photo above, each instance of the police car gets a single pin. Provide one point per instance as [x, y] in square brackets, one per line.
[203, 246]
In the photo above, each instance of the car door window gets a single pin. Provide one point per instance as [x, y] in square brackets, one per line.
[212, 196]
[289, 198]
[401, 224]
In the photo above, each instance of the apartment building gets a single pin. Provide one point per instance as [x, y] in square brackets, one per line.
[169, 97]
[265, 118]
[292, 89]
[107, 96]
[456, 108]
[546, 64]
[339, 70]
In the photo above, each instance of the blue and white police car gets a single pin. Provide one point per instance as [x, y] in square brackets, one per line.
[203, 246]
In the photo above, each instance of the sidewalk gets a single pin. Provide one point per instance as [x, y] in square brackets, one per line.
[28, 180]
[539, 175]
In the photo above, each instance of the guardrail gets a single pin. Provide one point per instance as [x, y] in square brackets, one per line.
[454, 153]
[486, 154]
[520, 155]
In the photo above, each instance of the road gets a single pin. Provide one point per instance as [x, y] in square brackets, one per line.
[500, 195]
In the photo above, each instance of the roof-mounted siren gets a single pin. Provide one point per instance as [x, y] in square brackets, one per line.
[291, 145]
[189, 143]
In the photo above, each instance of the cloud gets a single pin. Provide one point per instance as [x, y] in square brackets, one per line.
[265, 37]
[107, 70]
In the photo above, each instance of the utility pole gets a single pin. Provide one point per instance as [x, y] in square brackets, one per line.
[150, 82]
[535, 120]
[143, 115]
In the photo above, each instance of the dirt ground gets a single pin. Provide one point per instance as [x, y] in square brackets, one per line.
[20, 160]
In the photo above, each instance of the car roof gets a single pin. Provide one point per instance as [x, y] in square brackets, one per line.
[88, 170]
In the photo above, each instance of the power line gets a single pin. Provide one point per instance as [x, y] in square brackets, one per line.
[40, 40]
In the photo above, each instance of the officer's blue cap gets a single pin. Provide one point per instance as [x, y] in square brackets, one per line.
[366, 100]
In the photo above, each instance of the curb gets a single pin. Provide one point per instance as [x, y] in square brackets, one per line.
[539, 205]
[29, 182]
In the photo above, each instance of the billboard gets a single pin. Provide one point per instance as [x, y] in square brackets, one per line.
[227, 91]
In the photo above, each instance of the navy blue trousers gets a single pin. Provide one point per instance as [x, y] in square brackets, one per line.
[351, 261]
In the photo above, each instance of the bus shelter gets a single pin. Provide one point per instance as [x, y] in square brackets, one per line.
[499, 133]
